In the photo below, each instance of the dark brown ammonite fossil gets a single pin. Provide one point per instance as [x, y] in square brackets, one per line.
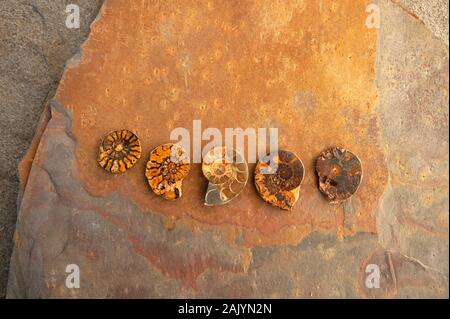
[278, 179]
[167, 167]
[340, 174]
[119, 151]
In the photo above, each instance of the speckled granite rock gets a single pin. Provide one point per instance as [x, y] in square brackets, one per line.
[308, 69]
[433, 13]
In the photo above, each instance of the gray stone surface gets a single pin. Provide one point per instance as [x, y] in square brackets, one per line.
[34, 46]
[413, 81]
[433, 13]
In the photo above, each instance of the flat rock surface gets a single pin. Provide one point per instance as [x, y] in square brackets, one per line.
[34, 46]
[319, 75]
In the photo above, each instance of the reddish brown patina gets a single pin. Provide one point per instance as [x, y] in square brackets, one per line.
[340, 174]
[280, 185]
[304, 68]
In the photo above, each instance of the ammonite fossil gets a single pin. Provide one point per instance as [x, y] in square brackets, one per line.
[278, 179]
[227, 173]
[340, 174]
[167, 167]
[119, 151]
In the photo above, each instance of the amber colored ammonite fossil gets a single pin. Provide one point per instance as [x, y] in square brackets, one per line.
[119, 151]
[227, 173]
[278, 178]
[340, 174]
[167, 167]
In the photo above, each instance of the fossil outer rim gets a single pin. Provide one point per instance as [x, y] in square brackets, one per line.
[281, 198]
[342, 150]
[171, 189]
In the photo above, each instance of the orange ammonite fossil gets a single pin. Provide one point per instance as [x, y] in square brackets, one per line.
[227, 173]
[340, 174]
[119, 151]
[278, 179]
[167, 167]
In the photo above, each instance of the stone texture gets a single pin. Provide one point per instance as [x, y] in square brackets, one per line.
[254, 65]
[257, 59]
[413, 214]
[34, 45]
[433, 13]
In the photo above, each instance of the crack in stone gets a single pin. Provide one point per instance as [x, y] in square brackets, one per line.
[424, 266]
[428, 25]
[56, 107]
[38, 12]
[51, 180]
[392, 270]
[408, 11]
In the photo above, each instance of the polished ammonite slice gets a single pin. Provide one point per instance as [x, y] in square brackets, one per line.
[167, 167]
[227, 173]
[119, 151]
[340, 174]
[278, 178]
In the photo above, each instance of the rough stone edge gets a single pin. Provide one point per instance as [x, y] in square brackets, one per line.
[27, 160]
[388, 186]
[410, 11]
[76, 59]
[26, 163]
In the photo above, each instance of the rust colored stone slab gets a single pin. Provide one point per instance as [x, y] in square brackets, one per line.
[304, 67]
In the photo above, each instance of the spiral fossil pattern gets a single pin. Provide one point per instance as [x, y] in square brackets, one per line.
[167, 167]
[340, 174]
[227, 173]
[119, 151]
[279, 184]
